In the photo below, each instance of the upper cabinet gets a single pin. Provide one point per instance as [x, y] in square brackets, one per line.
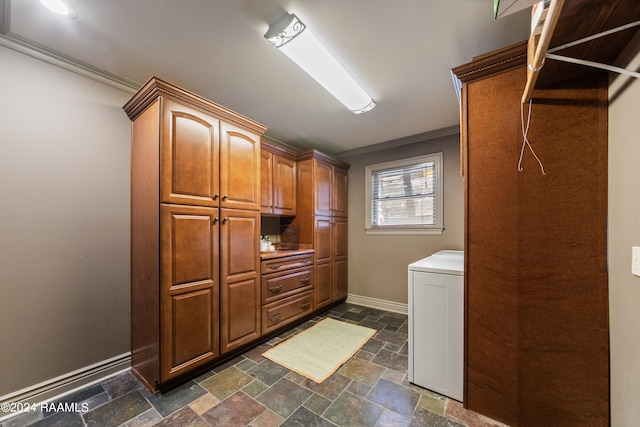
[278, 181]
[190, 150]
[239, 168]
[210, 156]
[330, 189]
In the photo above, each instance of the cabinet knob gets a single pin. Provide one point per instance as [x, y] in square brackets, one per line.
[225, 220]
[225, 197]
[215, 196]
[216, 219]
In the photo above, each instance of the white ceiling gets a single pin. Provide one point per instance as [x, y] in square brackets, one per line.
[401, 51]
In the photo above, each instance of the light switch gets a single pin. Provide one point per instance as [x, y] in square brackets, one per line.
[635, 260]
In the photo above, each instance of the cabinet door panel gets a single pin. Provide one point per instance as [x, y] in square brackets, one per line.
[340, 280]
[284, 186]
[340, 180]
[240, 310]
[239, 240]
[189, 288]
[190, 146]
[266, 182]
[322, 287]
[323, 174]
[193, 325]
[339, 230]
[322, 240]
[240, 287]
[239, 168]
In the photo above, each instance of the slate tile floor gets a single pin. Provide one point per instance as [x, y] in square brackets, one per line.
[369, 390]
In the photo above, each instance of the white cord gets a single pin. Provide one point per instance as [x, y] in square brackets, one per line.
[525, 141]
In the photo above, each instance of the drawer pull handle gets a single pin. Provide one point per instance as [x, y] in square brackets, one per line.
[305, 305]
[275, 289]
[307, 261]
[305, 280]
[275, 318]
[274, 266]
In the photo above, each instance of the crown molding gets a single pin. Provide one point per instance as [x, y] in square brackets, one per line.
[420, 137]
[50, 56]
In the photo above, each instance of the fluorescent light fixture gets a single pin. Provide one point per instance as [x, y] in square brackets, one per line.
[295, 40]
[59, 7]
[56, 6]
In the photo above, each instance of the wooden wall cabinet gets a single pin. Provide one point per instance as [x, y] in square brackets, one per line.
[536, 307]
[322, 222]
[278, 181]
[194, 182]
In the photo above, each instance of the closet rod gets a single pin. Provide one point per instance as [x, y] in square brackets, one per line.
[594, 36]
[593, 64]
[540, 47]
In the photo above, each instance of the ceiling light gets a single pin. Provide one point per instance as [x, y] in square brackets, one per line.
[59, 7]
[295, 40]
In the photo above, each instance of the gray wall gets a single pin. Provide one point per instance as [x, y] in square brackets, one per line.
[378, 263]
[624, 232]
[64, 222]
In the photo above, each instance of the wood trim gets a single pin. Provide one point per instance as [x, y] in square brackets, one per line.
[491, 63]
[267, 145]
[156, 87]
[315, 154]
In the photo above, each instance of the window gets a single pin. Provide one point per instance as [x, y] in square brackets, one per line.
[405, 196]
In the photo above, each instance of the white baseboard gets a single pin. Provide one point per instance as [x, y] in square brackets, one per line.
[70, 382]
[380, 304]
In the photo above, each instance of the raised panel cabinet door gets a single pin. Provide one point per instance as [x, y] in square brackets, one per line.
[340, 279]
[239, 277]
[323, 247]
[239, 168]
[323, 236]
[323, 187]
[323, 284]
[284, 186]
[266, 182]
[189, 156]
[240, 313]
[340, 247]
[239, 244]
[340, 180]
[189, 316]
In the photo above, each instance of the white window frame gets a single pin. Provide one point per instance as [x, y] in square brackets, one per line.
[436, 229]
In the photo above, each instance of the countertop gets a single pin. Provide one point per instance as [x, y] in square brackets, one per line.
[283, 253]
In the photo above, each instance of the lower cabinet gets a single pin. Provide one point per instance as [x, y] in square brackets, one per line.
[287, 290]
[189, 288]
[239, 278]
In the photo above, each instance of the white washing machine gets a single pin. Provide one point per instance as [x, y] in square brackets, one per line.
[436, 323]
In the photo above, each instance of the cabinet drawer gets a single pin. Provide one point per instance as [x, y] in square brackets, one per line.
[288, 263]
[286, 311]
[278, 286]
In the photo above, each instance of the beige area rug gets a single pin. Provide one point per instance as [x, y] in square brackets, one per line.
[320, 350]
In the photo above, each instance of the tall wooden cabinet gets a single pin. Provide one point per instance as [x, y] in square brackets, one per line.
[536, 322]
[195, 182]
[322, 222]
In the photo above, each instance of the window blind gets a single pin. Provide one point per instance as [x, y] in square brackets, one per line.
[404, 196]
